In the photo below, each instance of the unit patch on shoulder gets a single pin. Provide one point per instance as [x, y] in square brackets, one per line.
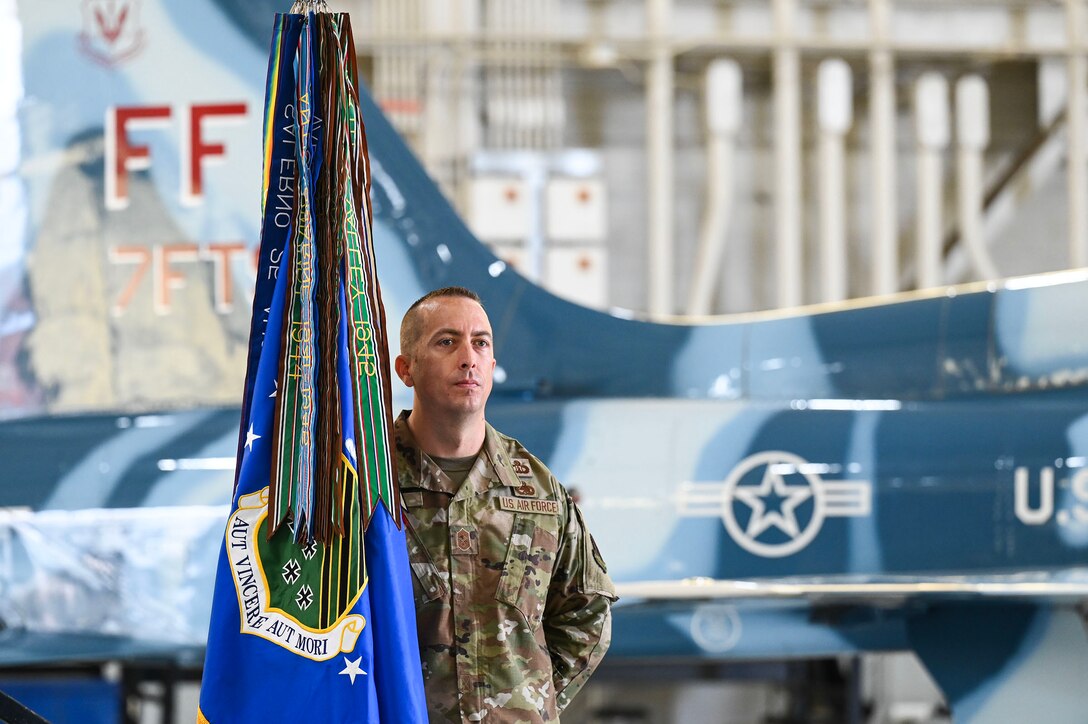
[597, 555]
[529, 505]
[522, 467]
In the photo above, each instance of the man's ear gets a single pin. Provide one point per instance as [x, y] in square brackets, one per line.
[404, 370]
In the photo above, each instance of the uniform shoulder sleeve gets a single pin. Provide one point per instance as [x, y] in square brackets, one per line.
[580, 567]
[594, 578]
[577, 616]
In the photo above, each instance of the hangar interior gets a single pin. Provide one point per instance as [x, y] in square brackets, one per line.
[778, 152]
[818, 150]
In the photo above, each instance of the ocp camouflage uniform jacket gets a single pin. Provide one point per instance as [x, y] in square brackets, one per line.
[512, 597]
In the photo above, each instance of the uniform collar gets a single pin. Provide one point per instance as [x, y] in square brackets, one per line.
[499, 459]
[417, 470]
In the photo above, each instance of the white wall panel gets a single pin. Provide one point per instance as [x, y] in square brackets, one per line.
[578, 273]
[498, 208]
[576, 210]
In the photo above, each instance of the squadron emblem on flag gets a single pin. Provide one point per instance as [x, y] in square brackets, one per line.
[281, 608]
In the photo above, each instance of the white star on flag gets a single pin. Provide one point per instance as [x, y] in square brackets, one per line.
[352, 669]
[250, 437]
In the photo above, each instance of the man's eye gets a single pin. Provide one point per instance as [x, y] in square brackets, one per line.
[445, 342]
[482, 343]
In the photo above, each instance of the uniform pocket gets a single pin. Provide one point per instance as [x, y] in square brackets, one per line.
[427, 583]
[527, 572]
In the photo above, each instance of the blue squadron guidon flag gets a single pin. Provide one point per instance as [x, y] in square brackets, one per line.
[313, 618]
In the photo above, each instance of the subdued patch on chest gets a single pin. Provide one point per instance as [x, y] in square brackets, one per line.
[463, 540]
[525, 490]
[413, 499]
[521, 467]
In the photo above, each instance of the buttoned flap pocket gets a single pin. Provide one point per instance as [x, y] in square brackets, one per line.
[527, 572]
[427, 582]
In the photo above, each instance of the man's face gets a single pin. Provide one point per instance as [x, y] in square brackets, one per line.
[451, 366]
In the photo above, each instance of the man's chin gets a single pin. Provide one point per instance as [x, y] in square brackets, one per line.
[467, 406]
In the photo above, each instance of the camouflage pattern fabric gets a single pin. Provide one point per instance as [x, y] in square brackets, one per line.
[513, 600]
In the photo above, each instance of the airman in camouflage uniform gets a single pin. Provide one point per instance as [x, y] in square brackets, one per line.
[512, 597]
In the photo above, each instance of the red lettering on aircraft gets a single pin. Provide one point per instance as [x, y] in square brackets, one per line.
[140, 255]
[122, 155]
[164, 259]
[220, 255]
[192, 191]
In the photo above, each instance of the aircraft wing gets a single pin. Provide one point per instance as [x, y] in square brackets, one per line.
[1068, 585]
[20, 648]
[80, 586]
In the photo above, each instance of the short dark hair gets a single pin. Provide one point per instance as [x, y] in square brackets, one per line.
[409, 326]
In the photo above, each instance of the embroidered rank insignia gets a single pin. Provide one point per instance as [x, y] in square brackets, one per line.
[521, 467]
[525, 490]
[463, 540]
[529, 505]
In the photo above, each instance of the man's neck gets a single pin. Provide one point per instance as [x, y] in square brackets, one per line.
[456, 438]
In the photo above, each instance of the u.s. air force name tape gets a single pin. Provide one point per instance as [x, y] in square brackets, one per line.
[529, 505]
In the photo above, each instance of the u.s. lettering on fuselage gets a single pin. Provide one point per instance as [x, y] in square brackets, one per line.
[1044, 510]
